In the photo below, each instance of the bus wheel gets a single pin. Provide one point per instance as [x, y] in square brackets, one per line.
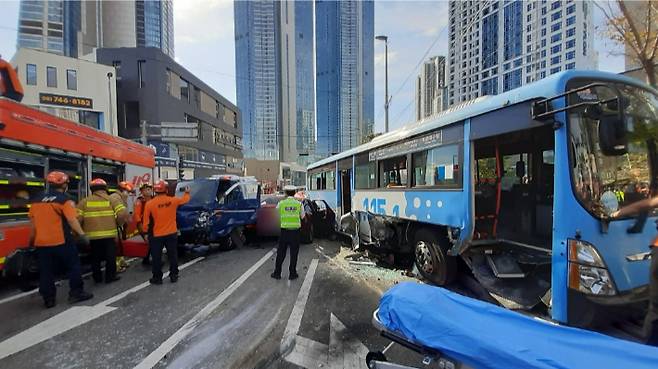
[432, 259]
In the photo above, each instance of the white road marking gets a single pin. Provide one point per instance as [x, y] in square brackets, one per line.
[297, 313]
[66, 320]
[57, 283]
[154, 358]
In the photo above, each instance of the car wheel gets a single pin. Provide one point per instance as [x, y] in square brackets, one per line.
[432, 259]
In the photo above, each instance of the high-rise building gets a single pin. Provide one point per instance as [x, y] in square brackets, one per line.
[50, 26]
[275, 84]
[431, 88]
[74, 28]
[498, 45]
[345, 35]
[136, 23]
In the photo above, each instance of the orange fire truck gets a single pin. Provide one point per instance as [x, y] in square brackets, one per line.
[33, 143]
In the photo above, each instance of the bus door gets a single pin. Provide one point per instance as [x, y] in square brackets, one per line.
[345, 190]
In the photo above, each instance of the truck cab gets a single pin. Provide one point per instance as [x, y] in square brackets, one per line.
[219, 210]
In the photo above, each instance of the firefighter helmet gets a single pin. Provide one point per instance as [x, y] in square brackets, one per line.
[126, 186]
[160, 186]
[57, 178]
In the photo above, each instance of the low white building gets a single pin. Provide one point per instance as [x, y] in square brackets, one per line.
[78, 90]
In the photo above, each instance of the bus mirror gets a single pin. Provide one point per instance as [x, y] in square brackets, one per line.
[613, 138]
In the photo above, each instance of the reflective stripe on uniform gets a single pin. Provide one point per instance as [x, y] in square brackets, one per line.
[98, 204]
[2, 260]
[99, 213]
[118, 208]
[94, 234]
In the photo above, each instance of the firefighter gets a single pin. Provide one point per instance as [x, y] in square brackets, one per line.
[160, 212]
[101, 216]
[53, 218]
[146, 194]
[125, 189]
[651, 319]
[291, 213]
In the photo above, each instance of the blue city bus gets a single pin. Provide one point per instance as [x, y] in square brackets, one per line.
[516, 192]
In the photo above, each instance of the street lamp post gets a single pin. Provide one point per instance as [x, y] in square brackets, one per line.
[385, 39]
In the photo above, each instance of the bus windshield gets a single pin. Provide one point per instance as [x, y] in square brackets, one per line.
[604, 183]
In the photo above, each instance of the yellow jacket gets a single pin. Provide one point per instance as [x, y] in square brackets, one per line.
[101, 214]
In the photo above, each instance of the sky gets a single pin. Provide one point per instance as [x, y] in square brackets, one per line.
[204, 44]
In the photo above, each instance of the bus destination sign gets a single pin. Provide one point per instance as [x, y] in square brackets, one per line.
[63, 100]
[405, 147]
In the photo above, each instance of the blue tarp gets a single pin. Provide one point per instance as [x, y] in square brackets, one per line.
[483, 335]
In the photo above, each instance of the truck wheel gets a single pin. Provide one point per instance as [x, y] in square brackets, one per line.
[432, 259]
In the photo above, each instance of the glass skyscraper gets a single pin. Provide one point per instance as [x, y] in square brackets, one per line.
[72, 27]
[274, 69]
[345, 74]
[50, 26]
[154, 22]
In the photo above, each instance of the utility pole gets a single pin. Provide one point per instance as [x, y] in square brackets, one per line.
[142, 126]
[385, 39]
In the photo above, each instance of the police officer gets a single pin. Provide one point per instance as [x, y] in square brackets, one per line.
[160, 212]
[101, 216]
[651, 320]
[290, 215]
[53, 218]
[146, 194]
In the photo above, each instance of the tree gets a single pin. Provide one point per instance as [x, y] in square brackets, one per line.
[634, 24]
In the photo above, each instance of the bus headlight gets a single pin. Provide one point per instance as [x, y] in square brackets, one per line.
[587, 271]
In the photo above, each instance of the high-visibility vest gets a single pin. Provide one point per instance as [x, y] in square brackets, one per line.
[99, 216]
[290, 211]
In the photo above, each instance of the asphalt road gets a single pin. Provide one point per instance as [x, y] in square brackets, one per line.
[224, 312]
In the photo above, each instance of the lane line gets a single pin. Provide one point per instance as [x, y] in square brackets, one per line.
[297, 313]
[57, 283]
[123, 294]
[154, 357]
[67, 320]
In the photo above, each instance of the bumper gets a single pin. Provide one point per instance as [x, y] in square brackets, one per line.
[591, 311]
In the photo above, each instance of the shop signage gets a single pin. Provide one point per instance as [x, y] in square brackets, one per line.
[63, 100]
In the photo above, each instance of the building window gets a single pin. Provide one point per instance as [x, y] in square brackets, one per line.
[571, 8]
[571, 44]
[512, 80]
[571, 20]
[556, 37]
[555, 70]
[184, 90]
[570, 66]
[556, 27]
[71, 79]
[555, 60]
[140, 72]
[555, 5]
[555, 16]
[51, 76]
[570, 55]
[556, 49]
[91, 118]
[31, 74]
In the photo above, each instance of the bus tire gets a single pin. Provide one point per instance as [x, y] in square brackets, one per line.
[432, 259]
